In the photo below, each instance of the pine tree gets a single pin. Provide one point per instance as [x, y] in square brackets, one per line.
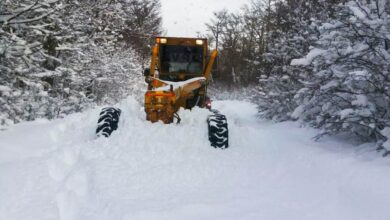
[290, 36]
[349, 88]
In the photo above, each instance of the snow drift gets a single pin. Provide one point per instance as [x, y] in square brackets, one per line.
[60, 170]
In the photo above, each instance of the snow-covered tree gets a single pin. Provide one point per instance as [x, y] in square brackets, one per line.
[349, 88]
[26, 49]
[60, 56]
[292, 32]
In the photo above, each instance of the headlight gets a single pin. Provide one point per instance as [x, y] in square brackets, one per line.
[199, 42]
[163, 40]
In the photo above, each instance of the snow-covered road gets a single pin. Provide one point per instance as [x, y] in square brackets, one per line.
[59, 170]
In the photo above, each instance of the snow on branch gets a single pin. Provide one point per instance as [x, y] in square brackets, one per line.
[309, 57]
[22, 11]
[32, 19]
[358, 11]
[36, 5]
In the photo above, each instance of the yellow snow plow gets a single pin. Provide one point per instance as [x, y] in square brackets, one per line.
[179, 73]
[178, 77]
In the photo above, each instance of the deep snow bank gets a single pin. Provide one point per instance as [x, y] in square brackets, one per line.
[59, 170]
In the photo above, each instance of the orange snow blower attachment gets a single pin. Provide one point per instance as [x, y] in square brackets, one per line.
[179, 73]
[160, 105]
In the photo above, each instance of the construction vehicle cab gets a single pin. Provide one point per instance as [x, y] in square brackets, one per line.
[180, 59]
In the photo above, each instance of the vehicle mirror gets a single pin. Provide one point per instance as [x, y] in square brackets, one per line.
[147, 72]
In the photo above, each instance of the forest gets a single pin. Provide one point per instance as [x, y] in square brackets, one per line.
[323, 63]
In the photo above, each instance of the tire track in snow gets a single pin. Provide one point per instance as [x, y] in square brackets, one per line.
[67, 166]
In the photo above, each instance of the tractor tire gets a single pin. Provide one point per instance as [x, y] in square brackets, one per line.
[108, 121]
[218, 131]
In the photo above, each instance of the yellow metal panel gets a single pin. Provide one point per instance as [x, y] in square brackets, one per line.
[209, 66]
[154, 60]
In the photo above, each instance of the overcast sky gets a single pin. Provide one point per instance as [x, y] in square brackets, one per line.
[183, 18]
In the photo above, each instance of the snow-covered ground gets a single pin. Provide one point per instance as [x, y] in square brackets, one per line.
[59, 170]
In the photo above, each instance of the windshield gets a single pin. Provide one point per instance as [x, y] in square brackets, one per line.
[181, 59]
